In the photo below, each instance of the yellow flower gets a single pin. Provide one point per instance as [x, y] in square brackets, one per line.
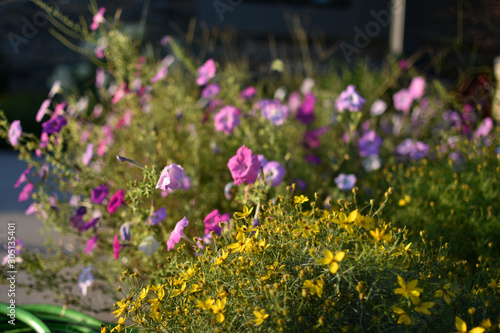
[118, 328]
[305, 229]
[242, 245]
[194, 288]
[222, 258]
[461, 326]
[331, 260]
[404, 201]
[144, 293]
[260, 316]
[122, 306]
[207, 305]
[448, 294]
[315, 287]
[408, 289]
[403, 318]
[486, 323]
[421, 307]
[380, 235]
[177, 292]
[244, 214]
[218, 308]
[346, 222]
[300, 200]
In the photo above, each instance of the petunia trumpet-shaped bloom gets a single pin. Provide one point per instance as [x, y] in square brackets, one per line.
[227, 119]
[91, 244]
[275, 112]
[15, 131]
[158, 216]
[274, 173]
[349, 100]
[43, 110]
[171, 177]
[25, 192]
[177, 233]
[369, 144]
[305, 112]
[248, 93]
[22, 178]
[87, 155]
[125, 232]
[417, 87]
[212, 221]
[116, 201]
[402, 100]
[149, 245]
[210, 90]
[98, 19]
[54, 125]
[244, 166]
[116, 247]
[206, 72]
[345, 182]
[85, 280]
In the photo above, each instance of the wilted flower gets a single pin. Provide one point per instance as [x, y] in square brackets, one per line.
[206, 72]
[15, 131]
[227, 119]
[85, 280]
[177, 233]
[149, 245]
[345, 182]
[349, 100]
[171, 177]
[244, 166]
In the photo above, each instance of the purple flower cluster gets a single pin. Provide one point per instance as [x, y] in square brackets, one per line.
[415, 150]
[349, 100]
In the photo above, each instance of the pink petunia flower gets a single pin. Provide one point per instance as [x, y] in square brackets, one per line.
[22, 178]
[349, 100]
[244, 166]
[417, 87]
[98, 19]
[91, 244]
[210, 90]
[402, 100]
[171, 177]
[248, 93]
[227, 119]
[15, 131]
[43, 110]
[177, 233]
[116, 247]
[87, 155]
[206, 72]
[120, 93]
[116, 201]
[25, 192]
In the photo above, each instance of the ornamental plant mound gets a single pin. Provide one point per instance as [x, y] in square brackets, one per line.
[308, 269]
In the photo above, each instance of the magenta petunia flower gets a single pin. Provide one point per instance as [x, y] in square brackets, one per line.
[210, 90]
[484, 129]
[25, 192]
[162, 72]
[244, 166]
[311, 138]
[274, 173]
[22, 178]
[91, 244]
[345, 182]
[206, 72]
[349, 100]
[116, 201]
[402, 100]
[15, 131]
[417, 87]
[98, 19]
[158, 216]
[212, 221]
[43, 110]
[248, 93]
[99, 194]
[116, 247]
[294, 102]
[87, 155]
[177, 233]
[305, 113]
[171, 177]
[227, 119]
[120, 93]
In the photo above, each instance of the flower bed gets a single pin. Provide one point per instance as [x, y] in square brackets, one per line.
[198, 182]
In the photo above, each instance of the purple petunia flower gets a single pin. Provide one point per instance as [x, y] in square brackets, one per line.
[275, 112]
[417, 87]
[248, 93]
[125, 232]
[210, 90]
[313, 159]
[345, 182]
[158, 216]
[349, 100]
[206, 72]
[91, 244]
[274, 173]
[25, 192]
[212, 221]
[227, 119]
[43, 110]
[244, 166]
[99, 194]
[85, 280]
[414, 150]
[54, 125]
[305, 112]
[98, 19]
[77, 219]
[116, 247]
[171, 177]
[15, 131]
[369, 144]
[402, 100]
[116, 201]
[311, 138]
[177, 233]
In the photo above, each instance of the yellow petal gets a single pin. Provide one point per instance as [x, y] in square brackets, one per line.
[460, 325]
[334, 267]
[339, 256]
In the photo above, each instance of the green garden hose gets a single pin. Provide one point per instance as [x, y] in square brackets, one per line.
[26, 318]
